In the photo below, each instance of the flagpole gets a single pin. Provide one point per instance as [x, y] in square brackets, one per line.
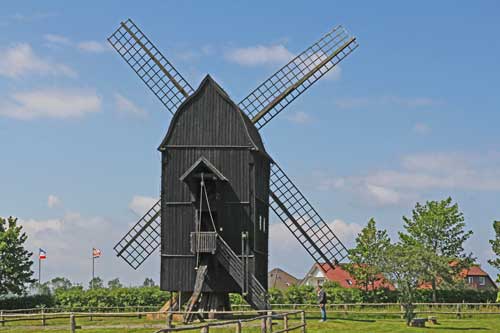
[93, 268]
[39, 270]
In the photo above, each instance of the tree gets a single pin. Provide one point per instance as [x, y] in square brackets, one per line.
[96, 282]
[115, 283]
[60, 283]
[403, 267]
[367, 257]
[148, 282]
[438, 226]
[15, 262]
[495, 246]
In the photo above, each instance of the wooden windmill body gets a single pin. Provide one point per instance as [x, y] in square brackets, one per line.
[218, 182]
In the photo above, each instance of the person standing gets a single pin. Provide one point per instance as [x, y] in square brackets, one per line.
[321, 294]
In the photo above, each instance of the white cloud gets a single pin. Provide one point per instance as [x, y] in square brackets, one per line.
[53, 201]
[421, 128]
[387, 101]
[51, 103]
[57, 39]
[123, 104]
[21, 60]
[141, 204]
[93, 46]
[299, 117]
[287, 253]
[423, 172]
[260, 55]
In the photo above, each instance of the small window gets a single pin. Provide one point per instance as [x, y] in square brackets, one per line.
[349, 282]
[260, 222]
[482, 280]
[470, 280]
[264, 224]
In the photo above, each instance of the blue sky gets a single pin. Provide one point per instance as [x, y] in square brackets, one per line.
[411, 115]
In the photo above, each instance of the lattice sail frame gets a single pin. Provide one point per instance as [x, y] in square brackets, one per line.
[282, 88]
[150, 65]
[143, 239]
[303, 221]
[273, 95]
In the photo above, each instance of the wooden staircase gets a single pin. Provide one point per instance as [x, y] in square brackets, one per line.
[256, 294]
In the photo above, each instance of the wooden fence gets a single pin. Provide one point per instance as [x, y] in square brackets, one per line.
[266, 320]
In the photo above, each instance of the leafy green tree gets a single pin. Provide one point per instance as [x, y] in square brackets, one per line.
[438, 226]
[148, 282]
[96, 283]
[403, 267]
[367, 257]
[15, 262]
[495, 246]
[60, 283]
[115, 283]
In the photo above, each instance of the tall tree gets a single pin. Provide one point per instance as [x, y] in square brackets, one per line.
[495, 246]
[15, 260]
[148, 282]
[403, 267]
[60, 283]
[96, 283]
[115, 283]
[439, 227]
[367, 257]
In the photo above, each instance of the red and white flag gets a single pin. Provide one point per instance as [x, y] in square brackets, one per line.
[96, 253]
[42, 254]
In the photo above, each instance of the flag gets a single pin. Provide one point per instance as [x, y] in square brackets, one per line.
[42, 254]
[96, 253]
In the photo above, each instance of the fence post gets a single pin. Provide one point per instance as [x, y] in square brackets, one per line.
[458, 311]
[269, 323]
[285, 322]
[263, 328]
[90, 313]
[169, 319]
[1, 318]
[72, 323]
[139, 315]
[204, 329]
[303, 321]
[238, 327]
[43, 317]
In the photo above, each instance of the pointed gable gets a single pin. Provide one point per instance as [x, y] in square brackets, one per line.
[210, 118]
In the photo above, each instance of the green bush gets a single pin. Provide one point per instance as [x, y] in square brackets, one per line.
[27, 302]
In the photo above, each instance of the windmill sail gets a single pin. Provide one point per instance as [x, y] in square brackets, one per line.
[274, 94]
[142, 240]
[150, 65]
[303, 221]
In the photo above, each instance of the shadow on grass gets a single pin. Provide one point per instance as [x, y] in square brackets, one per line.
[460, 328]
[358, 320]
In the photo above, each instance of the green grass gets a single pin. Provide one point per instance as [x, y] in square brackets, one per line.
[357, 324]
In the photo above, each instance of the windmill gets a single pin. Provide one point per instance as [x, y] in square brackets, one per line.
[218, 182]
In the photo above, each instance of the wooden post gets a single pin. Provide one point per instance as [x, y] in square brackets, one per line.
[90, 314]
[169, 319]
[43, 317]
[285, 322]
[269, 323]
[238, 327]
[139, 315]
[263, 328]
[72, 323]
[204, 329]
[458, 311]
[303, 321]
[1, 318]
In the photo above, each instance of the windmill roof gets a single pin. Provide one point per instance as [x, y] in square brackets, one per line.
[208, 82]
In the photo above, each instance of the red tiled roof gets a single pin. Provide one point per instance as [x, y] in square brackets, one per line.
[474, 271]
[342, 277]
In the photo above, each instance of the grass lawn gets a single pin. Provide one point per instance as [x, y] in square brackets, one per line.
[483, 323]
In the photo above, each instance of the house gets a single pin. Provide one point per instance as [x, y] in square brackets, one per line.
[476, 278]
[279, 279]
[319, 274]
